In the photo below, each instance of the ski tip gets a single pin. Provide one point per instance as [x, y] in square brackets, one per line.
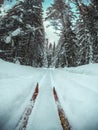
[37, 84]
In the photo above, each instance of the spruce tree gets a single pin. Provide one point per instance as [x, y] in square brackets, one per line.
[22, 30]
[83, 42]
[60, 13]
[94, 5]
[87, 15]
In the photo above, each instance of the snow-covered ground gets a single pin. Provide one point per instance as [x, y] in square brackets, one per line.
[77, 89]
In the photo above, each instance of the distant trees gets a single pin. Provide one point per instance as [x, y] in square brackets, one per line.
[61, 16]
[49, 52]
[22, 33]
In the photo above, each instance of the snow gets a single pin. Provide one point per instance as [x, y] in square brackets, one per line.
[46, 117]
[8, 5]
[29, 26]
[8, 39]
[77, 89]
[18, 19]
[79, 99]
[16, 32]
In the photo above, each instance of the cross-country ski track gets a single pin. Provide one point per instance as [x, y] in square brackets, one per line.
[62, 99]
[38, 114]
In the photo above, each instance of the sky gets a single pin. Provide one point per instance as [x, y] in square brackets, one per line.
[47, 3]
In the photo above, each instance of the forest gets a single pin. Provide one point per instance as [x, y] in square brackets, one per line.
[23, 40]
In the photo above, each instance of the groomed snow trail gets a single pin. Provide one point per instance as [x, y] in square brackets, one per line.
[45, 114]
[76, 88]
[16, 93]
[78, 99]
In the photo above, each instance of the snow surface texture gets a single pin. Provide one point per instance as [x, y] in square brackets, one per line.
[77, 89]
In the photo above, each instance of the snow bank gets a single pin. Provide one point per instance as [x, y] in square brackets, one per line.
[91, 69]
[10, 70]
[8, 39]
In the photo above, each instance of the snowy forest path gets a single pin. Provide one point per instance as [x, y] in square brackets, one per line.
[44, 112]
[45, 109]
[23, 120]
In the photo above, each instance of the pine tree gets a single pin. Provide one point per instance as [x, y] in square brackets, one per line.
[94, 5]
[53, 51]
[56, 14]
[60, 13]
[87, 15]
[49, 55]
[22, 29]
[83, 42]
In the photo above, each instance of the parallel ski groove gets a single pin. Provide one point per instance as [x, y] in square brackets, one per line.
[64, 122]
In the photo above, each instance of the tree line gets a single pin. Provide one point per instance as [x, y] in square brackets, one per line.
[22, 33]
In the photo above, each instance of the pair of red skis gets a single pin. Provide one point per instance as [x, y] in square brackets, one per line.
[63, 119]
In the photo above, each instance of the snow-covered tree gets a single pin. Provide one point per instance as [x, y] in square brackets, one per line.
[94, 5]
[22, 29]
[84, 39]
[61, 16]
[87, 15]
[49, 55]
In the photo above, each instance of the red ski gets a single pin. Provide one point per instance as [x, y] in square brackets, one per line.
[63, 119]
[21, 125]
[35, 93]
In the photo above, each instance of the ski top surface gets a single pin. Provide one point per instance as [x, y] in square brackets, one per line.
[64, 121]
[23, 121]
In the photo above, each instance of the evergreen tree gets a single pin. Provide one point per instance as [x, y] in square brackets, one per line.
[49, 55]
[22, 30]
[87, 15]
[60, 13]
[53, 55]
[94, 5]
[83, 42]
